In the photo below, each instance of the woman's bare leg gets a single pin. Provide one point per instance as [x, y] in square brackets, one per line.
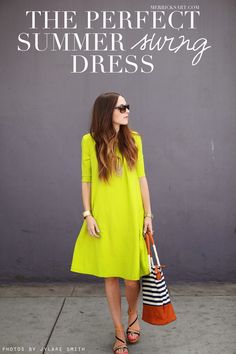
[132, 290]
[113, 294]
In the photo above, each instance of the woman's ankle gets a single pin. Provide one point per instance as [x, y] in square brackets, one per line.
[118, 326]
[132, 311]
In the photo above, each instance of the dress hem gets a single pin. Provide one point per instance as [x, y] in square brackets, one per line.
[108, 275]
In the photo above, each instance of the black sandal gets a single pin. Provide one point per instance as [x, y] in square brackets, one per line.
[123, 347]
[133, 331]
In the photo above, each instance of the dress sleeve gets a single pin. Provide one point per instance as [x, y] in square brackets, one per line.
[85, 160]
[140, 168]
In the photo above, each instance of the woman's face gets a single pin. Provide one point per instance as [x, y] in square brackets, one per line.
[119, 118]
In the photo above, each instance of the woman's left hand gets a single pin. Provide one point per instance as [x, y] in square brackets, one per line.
[147, 225]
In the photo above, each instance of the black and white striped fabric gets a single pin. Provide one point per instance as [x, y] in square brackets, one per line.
[154, 291]
[157, 307]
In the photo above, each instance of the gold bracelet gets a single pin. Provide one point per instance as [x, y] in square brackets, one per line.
[86, 213]
[149, 215]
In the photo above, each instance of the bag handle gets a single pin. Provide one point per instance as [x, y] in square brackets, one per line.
[149, 239]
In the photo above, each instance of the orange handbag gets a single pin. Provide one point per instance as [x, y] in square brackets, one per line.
[157, 307]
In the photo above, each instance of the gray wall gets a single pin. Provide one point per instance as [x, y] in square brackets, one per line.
[185, 113]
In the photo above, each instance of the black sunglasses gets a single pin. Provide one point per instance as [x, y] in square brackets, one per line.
[122, 108]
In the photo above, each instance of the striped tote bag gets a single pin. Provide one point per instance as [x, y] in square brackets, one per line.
[157, 307]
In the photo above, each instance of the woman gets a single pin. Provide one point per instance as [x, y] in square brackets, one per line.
[117, 211]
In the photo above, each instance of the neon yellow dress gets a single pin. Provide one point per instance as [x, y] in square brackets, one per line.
[118, 210]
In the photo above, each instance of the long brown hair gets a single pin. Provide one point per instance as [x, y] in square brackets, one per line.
[106, 138]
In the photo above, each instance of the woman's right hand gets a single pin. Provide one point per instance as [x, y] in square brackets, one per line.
[92, 226]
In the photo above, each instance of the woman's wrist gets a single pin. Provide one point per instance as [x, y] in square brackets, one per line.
[86, 213]
[88, 216]
[148, 215]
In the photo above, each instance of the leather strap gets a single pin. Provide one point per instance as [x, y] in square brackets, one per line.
[150, 241]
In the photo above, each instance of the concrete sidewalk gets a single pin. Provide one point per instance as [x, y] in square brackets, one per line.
[74, 318]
